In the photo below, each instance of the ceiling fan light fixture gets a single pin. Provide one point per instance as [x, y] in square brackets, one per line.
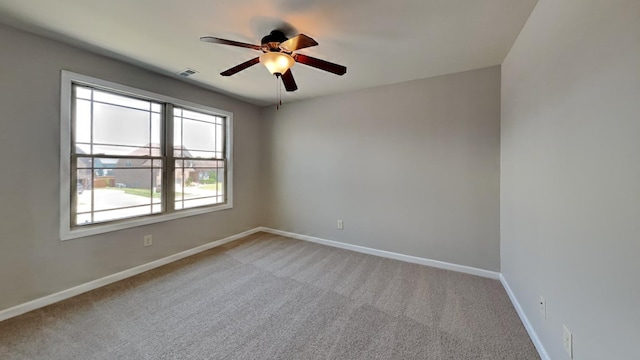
[277, 62]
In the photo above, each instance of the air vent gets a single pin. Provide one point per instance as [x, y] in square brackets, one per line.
[187, 72]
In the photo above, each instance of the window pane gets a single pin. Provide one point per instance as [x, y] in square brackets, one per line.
[106, 198]
[127, 163]
[124, 186]
[102, 216]
[121, 100]
[120, 150]
[115, 125]
[177, 136]
[200, 164]
[198, 135]
[200, 202]
[156, 129]
[83, 219]
[198, 154]
[156, 151]
[181, 179]
[82, 128]
[199, 116]
[83, 148]
[83, 163]
[132, 174]
[219, 139]
[83, 195]
[199, 183]
[220, 173]
[83, 92]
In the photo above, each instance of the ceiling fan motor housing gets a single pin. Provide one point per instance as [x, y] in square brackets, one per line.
[273, 40]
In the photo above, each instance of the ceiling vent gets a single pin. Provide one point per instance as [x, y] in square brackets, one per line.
[187, 72]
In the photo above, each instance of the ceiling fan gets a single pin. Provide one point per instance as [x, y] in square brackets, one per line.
[278, 56]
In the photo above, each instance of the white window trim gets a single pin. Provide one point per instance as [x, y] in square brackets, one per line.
[66, 232]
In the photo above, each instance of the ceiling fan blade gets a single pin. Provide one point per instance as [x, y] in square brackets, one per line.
[320, 64]
[216, 40]
[298, 42]
[289, 82]
[240, 67]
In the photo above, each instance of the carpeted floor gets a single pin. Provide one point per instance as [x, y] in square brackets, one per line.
[271, 297]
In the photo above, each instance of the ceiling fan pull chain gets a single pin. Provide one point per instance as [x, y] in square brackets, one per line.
[277, 93]
[280, 93]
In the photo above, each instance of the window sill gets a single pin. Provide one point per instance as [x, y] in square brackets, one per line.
[69, 234]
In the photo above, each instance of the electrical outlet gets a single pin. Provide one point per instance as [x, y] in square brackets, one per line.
[567, 341]
[148, 240]
[340, 224]
[543, 307]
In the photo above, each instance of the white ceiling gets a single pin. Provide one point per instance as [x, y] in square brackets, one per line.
[379, 41]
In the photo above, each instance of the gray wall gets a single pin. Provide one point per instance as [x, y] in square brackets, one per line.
[411, 168]
[570, 183]
[33, 261]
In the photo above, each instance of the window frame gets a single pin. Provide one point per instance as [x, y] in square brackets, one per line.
[69, 78]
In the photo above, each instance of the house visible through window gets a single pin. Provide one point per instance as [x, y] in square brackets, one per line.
[135, 155]
[116, 140]
[199, 156]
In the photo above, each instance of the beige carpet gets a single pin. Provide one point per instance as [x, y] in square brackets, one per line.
[271, 297]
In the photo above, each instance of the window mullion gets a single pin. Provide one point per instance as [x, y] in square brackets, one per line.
[169, 190]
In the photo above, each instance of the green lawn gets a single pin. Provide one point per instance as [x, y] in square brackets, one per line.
[141, 192]
[146, 192]
[216, 187]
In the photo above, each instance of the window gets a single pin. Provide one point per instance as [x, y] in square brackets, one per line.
[199, 156]
[131, 157]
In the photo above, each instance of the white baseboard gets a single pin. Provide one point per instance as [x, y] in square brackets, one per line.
[525, 321]
[77, 290]
[433, 263]
[388, 254]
